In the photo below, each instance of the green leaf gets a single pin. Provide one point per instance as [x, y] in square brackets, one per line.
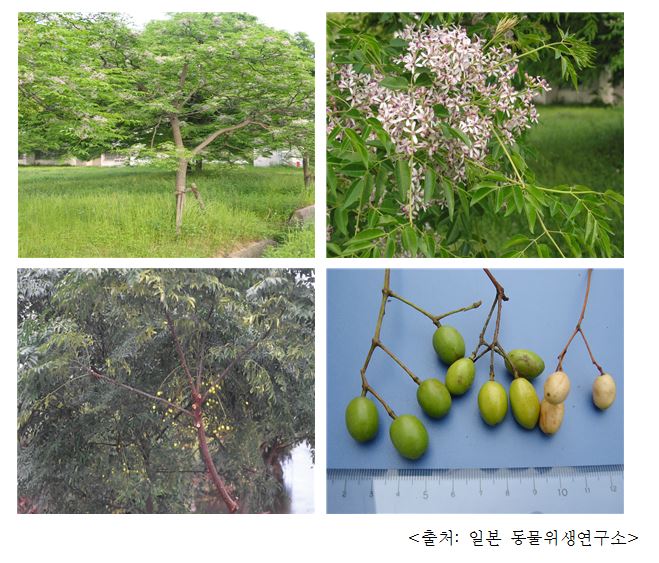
[464, 202]
[341, 220]
[380, 180]
[517, 240]
[390, 249]
[615, 196]
[457, 134]
[440, 111]
[479, 193]
[333, 249]
[410, 241]
[368, 234]
[575, 210]
[430, 245]
[543, 250]
[354, 193]
[398, 42]
[499, 198]
[394, 83]
[403, 178]
[449, 196]
[518, 196]
[589, 226]
[572, 245]
[429, 184]
[331, 179]
[530, 214]
[496, 177]
[358, 145]
[357, 245]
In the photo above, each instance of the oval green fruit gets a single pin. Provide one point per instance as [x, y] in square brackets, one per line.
[527, 362]
[434, 398]
[524, 403]
[409, 436]
[492, 402]
[362, 419]
[448, 344]
[460, 376]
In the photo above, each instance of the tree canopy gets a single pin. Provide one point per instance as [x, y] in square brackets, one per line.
[162, 390]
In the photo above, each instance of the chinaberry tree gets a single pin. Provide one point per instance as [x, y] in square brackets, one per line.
[170, 90]
[150, 390]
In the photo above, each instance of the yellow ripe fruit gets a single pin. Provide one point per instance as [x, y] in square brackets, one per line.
[551, 416]
[604, 391]
[557, 387]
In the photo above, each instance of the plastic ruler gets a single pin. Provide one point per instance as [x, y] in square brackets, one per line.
[582, 490]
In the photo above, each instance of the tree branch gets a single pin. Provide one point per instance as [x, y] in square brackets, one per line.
[181, 355]
[208, 140]
[98, 375]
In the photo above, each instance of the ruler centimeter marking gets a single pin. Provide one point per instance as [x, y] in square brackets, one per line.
[596, 489]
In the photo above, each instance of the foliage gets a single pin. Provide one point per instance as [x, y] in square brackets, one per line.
[124, 211]
[89, 444]
[419, 157]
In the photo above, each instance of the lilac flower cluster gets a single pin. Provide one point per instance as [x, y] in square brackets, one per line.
[472, 80]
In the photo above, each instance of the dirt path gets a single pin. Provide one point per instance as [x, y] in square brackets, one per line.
[256, 249]
[250, 250]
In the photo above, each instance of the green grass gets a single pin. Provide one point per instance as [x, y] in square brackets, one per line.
[579, 145]
[575, 145]
[298, 243]
[130, 212]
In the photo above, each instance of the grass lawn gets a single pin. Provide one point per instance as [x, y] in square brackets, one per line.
[579, 145]
[573, 145]
[130, 212]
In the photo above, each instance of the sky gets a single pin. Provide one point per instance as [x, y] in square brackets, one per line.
[291, 21]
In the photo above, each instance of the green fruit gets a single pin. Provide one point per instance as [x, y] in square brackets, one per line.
[524, 402]
[434, 398]
[528, 363]
[409, 436]
[492, 402]
[460, 376]
[362, 419]
[448, 344]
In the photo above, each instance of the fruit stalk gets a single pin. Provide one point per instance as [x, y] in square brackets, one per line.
[579, 330]
[494, 346]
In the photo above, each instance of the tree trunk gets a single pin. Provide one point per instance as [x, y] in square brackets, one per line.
[306, 170]
[181, 175]
[198, 164]
[232, 505]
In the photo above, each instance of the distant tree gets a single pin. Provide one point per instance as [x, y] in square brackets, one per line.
[140, 389]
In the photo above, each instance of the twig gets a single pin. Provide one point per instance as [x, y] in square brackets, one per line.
[377, 343]
[494, 346]
[579, 330]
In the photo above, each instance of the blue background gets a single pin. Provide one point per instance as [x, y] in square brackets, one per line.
[542, 312]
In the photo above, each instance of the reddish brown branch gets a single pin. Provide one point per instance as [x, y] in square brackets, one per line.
[579, 330]
[219, 483]
[181, 355]
[494, 346]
